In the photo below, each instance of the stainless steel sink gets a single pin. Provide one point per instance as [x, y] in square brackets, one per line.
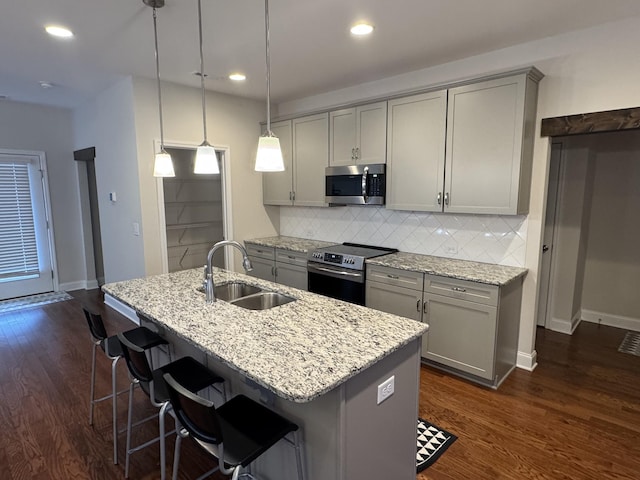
[262, 301]
[230, 291]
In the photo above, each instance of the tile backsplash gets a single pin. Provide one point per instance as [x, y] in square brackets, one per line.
[481, 238]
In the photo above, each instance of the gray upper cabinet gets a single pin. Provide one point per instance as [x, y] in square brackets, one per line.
[311, 157]
[277, 187]
[416, 135]
[465, 150]
[304, 143]
[490, 130]
[358, 135]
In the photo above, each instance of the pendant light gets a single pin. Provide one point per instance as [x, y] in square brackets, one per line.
[206, 160]
[163, 165]
[269, 157]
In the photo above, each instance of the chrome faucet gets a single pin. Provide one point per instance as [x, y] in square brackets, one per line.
[210, 295]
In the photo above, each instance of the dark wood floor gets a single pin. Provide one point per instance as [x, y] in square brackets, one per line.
[577, 416]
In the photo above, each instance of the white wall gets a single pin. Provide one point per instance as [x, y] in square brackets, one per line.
[231, 122]
[590, 70]
[31, 127]
[108, 123]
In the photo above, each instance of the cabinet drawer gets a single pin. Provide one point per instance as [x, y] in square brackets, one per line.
[292, 258]
[395, 276]
[254, 250]
[462, 289]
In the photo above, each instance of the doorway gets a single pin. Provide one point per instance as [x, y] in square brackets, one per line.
[193, 211]
[548, 235]
[27, 263]
[88, 156]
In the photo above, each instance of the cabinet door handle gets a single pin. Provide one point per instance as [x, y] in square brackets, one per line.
[439, 198]
[446, 198]
[395, 277]
[274, 272]
[357, 153]
[418, 305]
[293, 196]
[425, 308]
[458, 289]
[353, 154]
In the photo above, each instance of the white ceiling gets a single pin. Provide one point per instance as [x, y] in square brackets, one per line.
[311, 48]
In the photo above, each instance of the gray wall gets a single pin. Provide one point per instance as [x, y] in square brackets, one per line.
[31, 127]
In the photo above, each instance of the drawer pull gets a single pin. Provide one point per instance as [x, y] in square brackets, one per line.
[458, 289]
[291, 257]
[395, 277]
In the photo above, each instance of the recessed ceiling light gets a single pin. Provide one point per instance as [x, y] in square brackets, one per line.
[46, 85]
[237, 77]
[58, 31]
[361, 28]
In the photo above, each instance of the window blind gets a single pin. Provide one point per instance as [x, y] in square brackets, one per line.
[18, 248]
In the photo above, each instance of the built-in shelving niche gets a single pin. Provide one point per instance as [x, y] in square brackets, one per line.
[193, 213]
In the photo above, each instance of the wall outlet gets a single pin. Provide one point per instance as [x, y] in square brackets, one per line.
[136, 229]
[385, 389]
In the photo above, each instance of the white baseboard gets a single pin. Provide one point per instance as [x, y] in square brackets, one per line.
[527, 361]
[121, 308]
[565, 326]
[619, 321]
[79, 285]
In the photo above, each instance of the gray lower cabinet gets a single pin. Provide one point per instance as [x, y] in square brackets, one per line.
[473, 327]
[278, 265]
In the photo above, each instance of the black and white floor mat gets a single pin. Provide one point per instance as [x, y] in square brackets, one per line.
[33, 301]
[432, 442]
[630, 344]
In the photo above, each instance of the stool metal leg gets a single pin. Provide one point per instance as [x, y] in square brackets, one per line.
[114, 404]
[176, 454]
[129, 417]
[163, 460]
[93, 382]
[296, 446]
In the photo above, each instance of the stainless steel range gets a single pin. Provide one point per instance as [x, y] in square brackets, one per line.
[338, 271]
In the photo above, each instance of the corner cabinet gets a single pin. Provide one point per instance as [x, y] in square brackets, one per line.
[473, 327]
[278, 265]
[468, 149]
[304, 144]
[358, 135]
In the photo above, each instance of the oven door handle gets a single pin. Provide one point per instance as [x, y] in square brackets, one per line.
[357, 276]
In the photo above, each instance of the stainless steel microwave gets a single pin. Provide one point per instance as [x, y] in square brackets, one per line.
[355, 184]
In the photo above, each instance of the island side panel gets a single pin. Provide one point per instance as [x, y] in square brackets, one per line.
[379, 440]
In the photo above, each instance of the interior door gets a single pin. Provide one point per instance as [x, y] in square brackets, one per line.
[547, 238]
[25, 246]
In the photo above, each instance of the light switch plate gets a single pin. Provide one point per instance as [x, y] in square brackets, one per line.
[386, 389]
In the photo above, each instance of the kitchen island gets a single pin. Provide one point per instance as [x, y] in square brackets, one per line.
[316, 360]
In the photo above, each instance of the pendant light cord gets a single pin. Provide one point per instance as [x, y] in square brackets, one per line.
[155, 33]
[204, 116]
[266, 29]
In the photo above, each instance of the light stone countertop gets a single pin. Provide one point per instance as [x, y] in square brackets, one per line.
[448, 267]
[298, 351]
[302, 245]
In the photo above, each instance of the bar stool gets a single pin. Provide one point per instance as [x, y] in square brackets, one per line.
[192, 374]
[110, 345]
[236, 433]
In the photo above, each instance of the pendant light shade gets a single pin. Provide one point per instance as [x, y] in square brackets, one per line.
[206, 160]
[163, 165]
[269, 156]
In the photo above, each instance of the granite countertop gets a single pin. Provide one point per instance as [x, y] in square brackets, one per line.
[298, 351]
[448, 267]
[302, 245]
